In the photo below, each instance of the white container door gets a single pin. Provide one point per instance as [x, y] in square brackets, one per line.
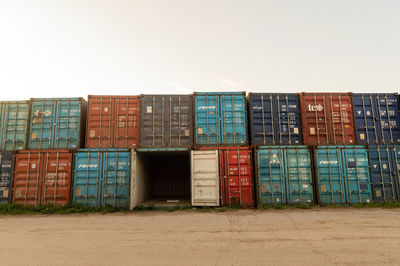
[205, 178]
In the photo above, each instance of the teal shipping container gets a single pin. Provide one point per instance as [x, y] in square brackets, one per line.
[220, 119]
[57, 123]
[284, 175]
[342, 175]
[14, 123]
[102, 177]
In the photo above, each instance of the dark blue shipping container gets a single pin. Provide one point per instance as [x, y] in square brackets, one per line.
[6, 170]
[284, 175]
[376, 118]
[220, 118]
[342, 175]
[102, 177]
[56, 123]
[384, 161]
[275, 119]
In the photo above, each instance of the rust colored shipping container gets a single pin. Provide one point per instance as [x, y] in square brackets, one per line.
[235, 164]
[327, 118]
[113, 121]
[42, 177]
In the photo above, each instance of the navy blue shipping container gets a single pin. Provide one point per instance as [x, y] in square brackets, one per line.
[376, 118]
[102, 177]
[220, 118]
[384, 161]
[342, 175]
[275, 119]
[6, 170]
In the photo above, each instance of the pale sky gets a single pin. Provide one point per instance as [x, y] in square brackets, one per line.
[75, 48]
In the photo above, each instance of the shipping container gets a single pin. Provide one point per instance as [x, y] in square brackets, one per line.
[102, 177]
[274, 119]
[376, 118]
[342, 175]
[56, 123]
[384, 161]
[166, 121]
[236, 176]
[42, 177]
[160, 177]
[113, 122]
[327, 118]
[14, 124]
[6, 172]
[220, 119]
[284, 175]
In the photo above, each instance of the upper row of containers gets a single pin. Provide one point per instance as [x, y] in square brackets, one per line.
[202, 119]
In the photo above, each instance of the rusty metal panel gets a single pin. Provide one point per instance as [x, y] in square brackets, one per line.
[42, 177]
[327, 118]
[113, 121]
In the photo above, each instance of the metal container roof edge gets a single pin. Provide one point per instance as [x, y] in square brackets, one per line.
[142, 95]
[44, 150]
[113, 96]
[225, 148]
[167, 149]
[219, 93]
[102, 150]
[326, 93]
[339, 146]
[15, 101]
[58, 99]
[271, 93]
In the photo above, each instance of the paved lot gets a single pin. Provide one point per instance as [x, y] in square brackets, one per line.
[245, 237]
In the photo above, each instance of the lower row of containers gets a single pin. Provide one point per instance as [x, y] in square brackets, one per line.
[204, 177]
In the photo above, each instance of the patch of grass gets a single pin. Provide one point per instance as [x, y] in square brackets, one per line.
[263, 207]
[227, 208]
[303, 206]
[279, 207]
[386, 205]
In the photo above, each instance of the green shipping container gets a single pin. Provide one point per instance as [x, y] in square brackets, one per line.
[14, 123]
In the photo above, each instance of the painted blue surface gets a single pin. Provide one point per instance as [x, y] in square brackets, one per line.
[284, 175]
[14, 122]
[275, 119]
[102, 177]
[220, 118]
[6, 172]
[342, 174]
[55, 123]
[376, 118]
[384, 161]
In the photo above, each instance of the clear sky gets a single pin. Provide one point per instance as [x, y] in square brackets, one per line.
[60, 48]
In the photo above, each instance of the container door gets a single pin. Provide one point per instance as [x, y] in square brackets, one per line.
[389, 119]
[236, 178]
[179, 110]
[263, 117]
[233, 121]
[56, 178]
[329, 173]
[127, 128]
[287, 119]
[383, 173]
[315, 119]
[366, 121]
[116, 179]
[205, 178]
[341, 120]
[153, 119]
[67, 129]
[14, 125]
[27, 184]
[42, 124]
[299, 176]
[100, 117]
[271, 176]
[207, 120]
[6, 170]
[356, 175]
[87, 178]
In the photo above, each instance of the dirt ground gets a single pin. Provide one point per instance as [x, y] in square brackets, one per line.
[245, 237]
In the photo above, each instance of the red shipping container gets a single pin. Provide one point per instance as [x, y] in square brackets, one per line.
[42, 177]
[327, 118]
[235, 163]
[113, 121]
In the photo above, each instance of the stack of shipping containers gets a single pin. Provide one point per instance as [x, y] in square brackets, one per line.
[221, 137]
[283, 165]
[205, 149]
